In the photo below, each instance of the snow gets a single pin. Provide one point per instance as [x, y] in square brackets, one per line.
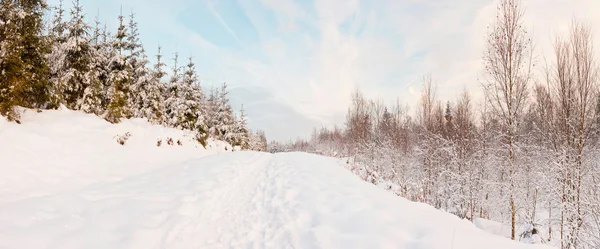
[492, 227]
[66, 183]
[61, 150]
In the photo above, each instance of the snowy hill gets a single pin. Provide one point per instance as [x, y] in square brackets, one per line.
[65, 182]
[59, 150]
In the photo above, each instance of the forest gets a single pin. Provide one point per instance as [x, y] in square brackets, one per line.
[527, 156]
[67, 62]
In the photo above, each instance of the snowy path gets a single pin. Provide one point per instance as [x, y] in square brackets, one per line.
[235, 200]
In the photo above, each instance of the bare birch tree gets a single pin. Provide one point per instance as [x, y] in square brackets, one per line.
[426, 110]
[573, 83]
[507, 61]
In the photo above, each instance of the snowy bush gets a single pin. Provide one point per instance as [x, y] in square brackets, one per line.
[121, 139]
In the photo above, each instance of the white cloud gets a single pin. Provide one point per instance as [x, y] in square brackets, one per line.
[316, 53]
[288, 12]
[399, 42]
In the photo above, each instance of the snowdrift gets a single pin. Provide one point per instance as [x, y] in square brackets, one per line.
[65, 182]
[65, 149]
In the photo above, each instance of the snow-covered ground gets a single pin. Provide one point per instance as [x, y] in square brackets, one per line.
[66, 183]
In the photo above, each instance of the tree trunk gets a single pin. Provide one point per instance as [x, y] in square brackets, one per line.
[513, 213]
[549, 220]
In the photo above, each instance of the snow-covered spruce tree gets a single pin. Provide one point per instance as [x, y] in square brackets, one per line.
[225, 122]
[134, 52]
[10, 60]
[262, 141]
[175, 107]
[78, 56]
[202, 131]
[192, 96]
[195, 100]
[171, 95]
[145, 97]
[191, 92]
[253, 141]
[140, 75]
[184, 97]
[210, 112]
[158, 91]
[158, 72]
[56, 58]
[119, 77]
[106, 52]
[219, 116]
[24, 70]
[241, 134]
[134, 46]
[94, 96]
[77, 60]
[258, 141]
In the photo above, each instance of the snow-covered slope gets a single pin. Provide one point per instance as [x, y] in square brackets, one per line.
[66, 183]
[64, 149]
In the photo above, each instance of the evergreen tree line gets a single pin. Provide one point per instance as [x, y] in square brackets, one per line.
[85, 67]
[528, 156]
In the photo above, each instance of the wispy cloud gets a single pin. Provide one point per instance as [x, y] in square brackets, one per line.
[212, 9]
[310, 55]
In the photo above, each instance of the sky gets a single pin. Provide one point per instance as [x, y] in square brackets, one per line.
[294, 64]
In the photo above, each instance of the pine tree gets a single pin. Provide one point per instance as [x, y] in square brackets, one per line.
[24, 70]
[172, 100]
[210, 108]
[258, 141]
[94, 96]
[159, 73]
[242, 134]
[191, 95]
[449, 125]
[155, 105]
[119, 77]
[262, 141]
[58, 26]
[134, 45]
[225, 122]
[145, 97]
[139, 74]
[78, 59]
[105, 53]
[121, 39]
[56, 58]
[186, 98]
[202, 130]
[136, 59]
[148, 100]
[10, 60]
[194, 100]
